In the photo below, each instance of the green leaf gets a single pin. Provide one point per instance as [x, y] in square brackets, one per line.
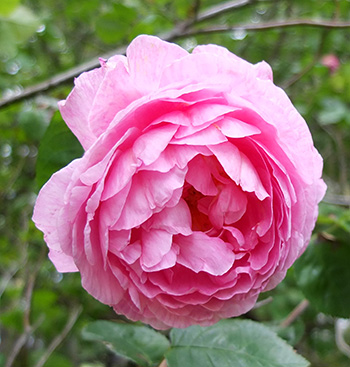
[231, 343]
[16, 28]
[2, 359]
[138, 343]
[33, 123]
[8, 6]
[333, 111]
[113, 26]
[323, 274]
[57, 149]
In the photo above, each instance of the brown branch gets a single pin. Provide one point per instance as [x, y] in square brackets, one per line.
[177, 32]
[73, 317]
[296, 312]
[343, 200]
[21, 341]
[6, 278]
[310, 66]
[220, 9]
[57, 79]
[262, 303]
[269, 25]
[28, 328]
[341, 326]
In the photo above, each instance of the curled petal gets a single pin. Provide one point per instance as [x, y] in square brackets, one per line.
[200, 252]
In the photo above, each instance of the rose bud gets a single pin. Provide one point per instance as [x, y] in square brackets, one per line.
[331, 62]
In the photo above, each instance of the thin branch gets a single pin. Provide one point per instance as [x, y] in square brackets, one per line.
[57, 79]
[220, 9]
[177, 32]
[262, 303]
[296, 312]
[310, 66]
[269, 25]
[343, 200]
[6, 278]
[73, 317]
[21, 341]
[28, 328]
[341, 325]
[17, 172]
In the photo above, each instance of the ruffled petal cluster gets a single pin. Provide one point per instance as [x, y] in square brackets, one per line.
[197, 190]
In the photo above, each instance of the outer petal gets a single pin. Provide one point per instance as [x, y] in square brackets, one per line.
[47, 208]
[63, 263]
[147, 57]
[76, 108]
[115, 92]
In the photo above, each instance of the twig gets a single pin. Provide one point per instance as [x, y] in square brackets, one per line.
[341, 325]
[334, 199]
[17, 172]
[28, 328]
[21, 341]
[60, 337]
[269, 25]
[298, 310]
[57, 79]
[6, 278]
[220, 9]
[262, 303]
[163, 364]
[311, 65]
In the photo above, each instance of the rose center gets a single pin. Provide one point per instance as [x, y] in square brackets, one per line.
[200, 221]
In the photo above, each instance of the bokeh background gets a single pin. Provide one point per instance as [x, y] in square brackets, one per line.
[307, 43]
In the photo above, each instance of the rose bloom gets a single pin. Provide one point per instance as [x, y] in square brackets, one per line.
[197, 190]
[331, 61]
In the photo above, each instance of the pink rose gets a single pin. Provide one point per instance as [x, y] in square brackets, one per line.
[331, 61]
[198, 188]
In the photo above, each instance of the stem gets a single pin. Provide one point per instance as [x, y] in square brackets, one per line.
[298, 310]
[60, 337]
[340, 327]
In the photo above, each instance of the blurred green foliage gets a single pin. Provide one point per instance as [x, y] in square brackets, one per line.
[41, 38]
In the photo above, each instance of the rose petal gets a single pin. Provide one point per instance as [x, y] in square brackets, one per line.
[209, 136]
[228, 207]
[239, 168]
[116, 82]
[199, 176]
[46, 212]
[147, 57]
[150, 144]
[200, 252]
[76, 108]
[155, 244]
[174, 220]
[234, 128]
[63, 263]
[149, 191]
